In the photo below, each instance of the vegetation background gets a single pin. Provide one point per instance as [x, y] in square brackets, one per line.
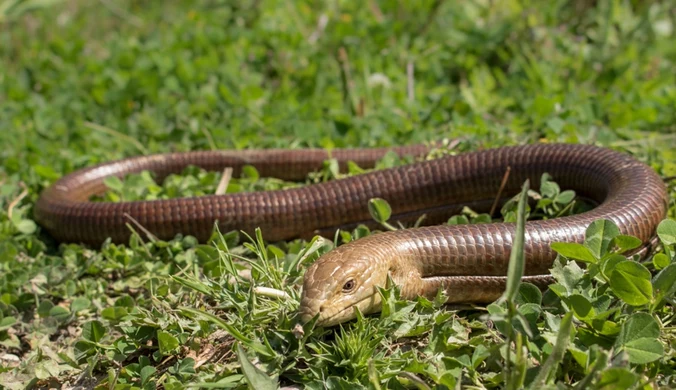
[83, 82]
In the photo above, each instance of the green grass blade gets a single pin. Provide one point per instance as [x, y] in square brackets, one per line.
[516, 258]
[255, 345]
[556, 356]
[256, 378]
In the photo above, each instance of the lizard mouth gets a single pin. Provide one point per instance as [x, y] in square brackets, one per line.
[343, 314]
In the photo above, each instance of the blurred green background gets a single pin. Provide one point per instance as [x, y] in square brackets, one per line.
[85, 81]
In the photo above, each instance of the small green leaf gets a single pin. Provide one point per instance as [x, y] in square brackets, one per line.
[600, 363]
[603, 326]
[8, 251]
[7, 322]
[184, 366]
[61, 314]
[26, 226]
[509, 216]
[625, 243]
[580, 356]
[529, 293]
[482, 218]
[527, 320]
[146, 373]
[354, 169]
[660, 260]
[630, 281]
[380, 210]
[167, 342]
[114, 313]
[637, 326]
[480, 354]
[275, 252]
[93, 331]
[543, 203]
[44, 307]
[581, 306]
[644, 350]
[47, 369]
[114, 183]
[664, 283]
[559, 289]
[251, 172]
[332, 167]
[46, 172]
[599, 236]
[256, 378]
[568, 277]
[548, 188]
[574, 251]
[616, 378]
[458, 220]
[565, 197]
[79, 304]
[610, 263]
[125, 301]
[666, 231]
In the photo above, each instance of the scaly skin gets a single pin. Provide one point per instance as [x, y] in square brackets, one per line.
[468, 261]
[368, 262]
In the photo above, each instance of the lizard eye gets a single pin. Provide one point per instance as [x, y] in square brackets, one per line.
[349, 285]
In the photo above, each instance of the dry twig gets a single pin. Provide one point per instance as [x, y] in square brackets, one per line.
[15, 201]
[502, 187]
[346, 79]
[225, 180]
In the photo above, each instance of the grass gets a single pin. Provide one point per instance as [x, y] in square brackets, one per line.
[85, 82]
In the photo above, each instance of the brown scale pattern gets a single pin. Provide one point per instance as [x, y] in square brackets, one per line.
[469, 261]
[628, 192]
